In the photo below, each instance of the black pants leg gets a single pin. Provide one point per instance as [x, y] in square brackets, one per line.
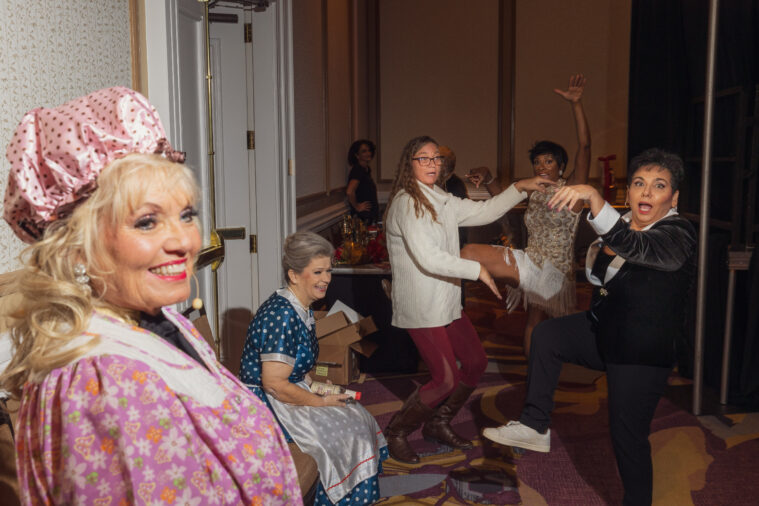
[566, 339]
[634, 392]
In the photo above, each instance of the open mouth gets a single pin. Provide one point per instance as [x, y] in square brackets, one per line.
[171, 270]
[645, 208]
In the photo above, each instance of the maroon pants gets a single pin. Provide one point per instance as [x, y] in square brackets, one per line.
[439, 348]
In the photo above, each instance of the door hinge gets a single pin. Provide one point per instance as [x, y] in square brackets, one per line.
[251, 139]
[253, 243]
[248, 32]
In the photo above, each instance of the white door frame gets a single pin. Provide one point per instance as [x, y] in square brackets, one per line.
[275, 141]
[272, 116]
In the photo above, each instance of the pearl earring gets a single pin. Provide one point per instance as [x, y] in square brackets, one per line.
[81, 277]
[197, 303]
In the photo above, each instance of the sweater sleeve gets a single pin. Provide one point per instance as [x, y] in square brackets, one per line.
[424, 250]
[472, 213]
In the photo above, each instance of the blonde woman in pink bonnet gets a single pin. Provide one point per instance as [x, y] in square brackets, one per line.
[122, 401]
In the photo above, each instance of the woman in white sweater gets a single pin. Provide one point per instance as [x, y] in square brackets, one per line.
[421, 226]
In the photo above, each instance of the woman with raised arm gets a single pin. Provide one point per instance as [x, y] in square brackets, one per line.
[642, 267]
[543, 273]
[422, 223]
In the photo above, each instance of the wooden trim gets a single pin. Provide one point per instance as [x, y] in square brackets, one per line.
[353, 69]
[381, 174]
[506, 62]
[137, 43]
[315, 201]
[325, 96]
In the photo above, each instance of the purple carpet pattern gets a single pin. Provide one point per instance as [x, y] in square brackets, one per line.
[708, 460]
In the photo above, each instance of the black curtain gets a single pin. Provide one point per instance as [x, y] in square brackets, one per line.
[667, 82]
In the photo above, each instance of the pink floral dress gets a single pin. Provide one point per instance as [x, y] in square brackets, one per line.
[136, 421]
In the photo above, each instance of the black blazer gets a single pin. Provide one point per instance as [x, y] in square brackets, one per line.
[640, 313]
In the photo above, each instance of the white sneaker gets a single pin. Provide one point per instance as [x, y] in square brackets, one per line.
[522, 436]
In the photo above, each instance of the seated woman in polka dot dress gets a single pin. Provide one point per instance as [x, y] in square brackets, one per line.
[280, 350]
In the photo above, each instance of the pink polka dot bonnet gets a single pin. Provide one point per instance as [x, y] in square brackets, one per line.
[57, 154]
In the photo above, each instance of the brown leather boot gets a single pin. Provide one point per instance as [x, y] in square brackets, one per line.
[438, 428]
[413, 413]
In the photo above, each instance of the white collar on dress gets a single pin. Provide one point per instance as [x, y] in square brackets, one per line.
[304, 313]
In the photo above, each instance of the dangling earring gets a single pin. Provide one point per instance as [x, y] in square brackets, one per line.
[627, 204]
[197, 303]
[81, 277]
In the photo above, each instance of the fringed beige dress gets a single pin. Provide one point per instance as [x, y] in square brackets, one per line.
[549, 255]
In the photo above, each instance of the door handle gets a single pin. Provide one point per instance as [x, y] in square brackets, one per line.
[231, 233]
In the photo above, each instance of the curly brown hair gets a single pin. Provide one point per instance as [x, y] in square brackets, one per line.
[405, 180]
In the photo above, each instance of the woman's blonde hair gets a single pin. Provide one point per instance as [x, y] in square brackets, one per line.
[405, 180]
[55, 308]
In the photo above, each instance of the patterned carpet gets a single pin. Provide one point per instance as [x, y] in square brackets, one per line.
[708, 460]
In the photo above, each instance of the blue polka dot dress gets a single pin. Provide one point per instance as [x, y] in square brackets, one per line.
[346, 442]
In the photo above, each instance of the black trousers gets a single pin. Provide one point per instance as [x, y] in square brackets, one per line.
[634, 392]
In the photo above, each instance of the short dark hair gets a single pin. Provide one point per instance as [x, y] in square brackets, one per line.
[353, 150]
[549, 148]
[664, 159]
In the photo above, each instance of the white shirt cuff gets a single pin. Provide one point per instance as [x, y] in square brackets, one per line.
[513, 188]
[605, 220]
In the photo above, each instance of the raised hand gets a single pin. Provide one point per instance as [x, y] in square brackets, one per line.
[574, 92]
[537, 183]
[478, 175]
[568, 196]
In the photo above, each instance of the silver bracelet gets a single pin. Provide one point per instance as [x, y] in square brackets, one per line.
[492, 177]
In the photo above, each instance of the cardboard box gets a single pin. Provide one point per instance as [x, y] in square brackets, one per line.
[339, 341]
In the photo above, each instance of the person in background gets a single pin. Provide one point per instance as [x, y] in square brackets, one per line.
[450, 182]
[280, 350]
[543, 273]
[361, 190]
[421, 224]
[642, 267]
[122, 400]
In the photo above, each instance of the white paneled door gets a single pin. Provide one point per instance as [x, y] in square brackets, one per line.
[254, 189]
[235, 180]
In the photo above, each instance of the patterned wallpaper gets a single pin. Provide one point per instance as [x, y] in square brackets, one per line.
[51, 52]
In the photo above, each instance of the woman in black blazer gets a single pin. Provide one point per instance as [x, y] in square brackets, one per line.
[642, 266]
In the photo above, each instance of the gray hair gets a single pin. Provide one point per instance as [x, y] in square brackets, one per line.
[302, 247]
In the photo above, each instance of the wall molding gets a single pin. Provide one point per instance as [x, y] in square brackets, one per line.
[322, 218]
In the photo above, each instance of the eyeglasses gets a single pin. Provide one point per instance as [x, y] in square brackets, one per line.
[424, 161]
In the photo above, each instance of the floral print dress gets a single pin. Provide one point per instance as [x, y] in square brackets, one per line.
[136, 421]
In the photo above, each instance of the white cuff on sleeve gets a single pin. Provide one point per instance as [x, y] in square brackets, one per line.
[605, 220]
[513, 188]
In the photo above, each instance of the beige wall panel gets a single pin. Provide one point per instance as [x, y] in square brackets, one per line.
[53, 52]
[555, 38]
[339, 90]
[310, 148]
[439, 77]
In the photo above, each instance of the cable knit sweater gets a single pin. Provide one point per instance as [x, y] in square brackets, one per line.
[424, 254]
